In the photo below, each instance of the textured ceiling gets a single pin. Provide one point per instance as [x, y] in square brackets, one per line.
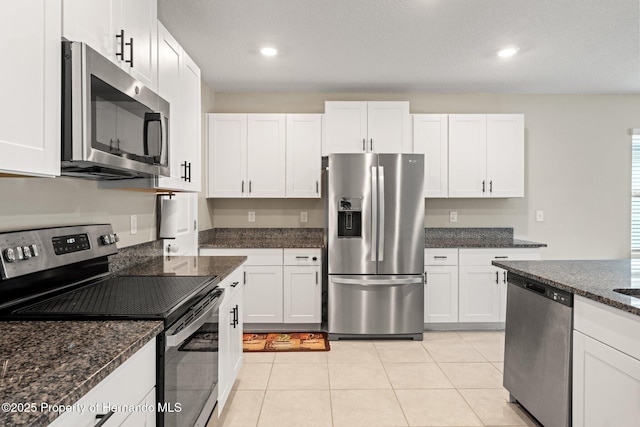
[430, 46]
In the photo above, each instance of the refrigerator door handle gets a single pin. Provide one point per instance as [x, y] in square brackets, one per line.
[374, 212]
[378, 282]
[381, 205]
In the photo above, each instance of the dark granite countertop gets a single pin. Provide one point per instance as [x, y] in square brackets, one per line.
[58, 362]
[262, 238]
[480, 243]
[593, 279]
[220, 266]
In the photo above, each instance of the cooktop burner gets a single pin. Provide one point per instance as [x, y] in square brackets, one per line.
[122, 296]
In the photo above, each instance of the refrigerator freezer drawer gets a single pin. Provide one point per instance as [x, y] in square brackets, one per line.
[384, 306]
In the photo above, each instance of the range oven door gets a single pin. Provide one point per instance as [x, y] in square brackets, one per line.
[191, 367]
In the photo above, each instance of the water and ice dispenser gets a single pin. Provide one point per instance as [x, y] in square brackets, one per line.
[349, 217]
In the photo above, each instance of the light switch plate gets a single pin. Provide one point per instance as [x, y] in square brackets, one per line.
[304, 217]
[539, 216]
[453, 216]
[252, 216]
[134, 224]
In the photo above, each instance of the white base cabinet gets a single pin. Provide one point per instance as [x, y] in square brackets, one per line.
[441, 286]
[30, 87]
[280, 285]
[606, 366]
[132, 383]
[230, 335]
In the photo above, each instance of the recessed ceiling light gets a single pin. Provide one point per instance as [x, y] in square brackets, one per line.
[508, 52]
[269, 51]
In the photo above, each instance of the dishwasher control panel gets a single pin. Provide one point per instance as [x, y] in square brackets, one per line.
[544, 290]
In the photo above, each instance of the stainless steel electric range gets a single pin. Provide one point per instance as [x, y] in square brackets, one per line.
[62, 273]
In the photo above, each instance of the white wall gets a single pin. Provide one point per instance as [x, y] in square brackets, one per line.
[578, 155]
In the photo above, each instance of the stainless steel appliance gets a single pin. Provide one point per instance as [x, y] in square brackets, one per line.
[537, 356]
[375, 245]
[63, 273]
[113, 126]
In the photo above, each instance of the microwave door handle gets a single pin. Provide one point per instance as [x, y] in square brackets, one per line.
[164, 136]
[155, 117]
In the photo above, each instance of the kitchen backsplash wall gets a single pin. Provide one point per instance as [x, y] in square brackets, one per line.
[577, 170]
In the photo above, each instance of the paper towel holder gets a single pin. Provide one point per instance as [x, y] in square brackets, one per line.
[159, 198]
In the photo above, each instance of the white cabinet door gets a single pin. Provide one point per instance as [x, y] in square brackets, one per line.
[304, 155]
[139, 19]
[606, 385]
[169, 60]
[227, 155]
[479, 294]
[505, 155]
[225, 374]
[467, 155]
[388, 127]
[302, 294]
[431, 138]
[30, 87]
[441, 294]
[263, 294]
[266, 155]
[189, 113]
[92, 22]
[346, 127]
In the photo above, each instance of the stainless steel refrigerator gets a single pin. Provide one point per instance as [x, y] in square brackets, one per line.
[375, 233]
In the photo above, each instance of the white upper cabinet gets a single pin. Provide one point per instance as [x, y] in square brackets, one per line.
[246, 155]
[266, 155]
[227, 155]
[189, 123]
[304, 157]
[30, 87]
[123, 31]
[431, 138]
[364, 127]
[486, 155]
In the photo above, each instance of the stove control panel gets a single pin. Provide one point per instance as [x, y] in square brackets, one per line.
[30, 251]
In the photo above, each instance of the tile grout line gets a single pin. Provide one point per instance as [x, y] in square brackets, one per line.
[264, 395]
[404, 415]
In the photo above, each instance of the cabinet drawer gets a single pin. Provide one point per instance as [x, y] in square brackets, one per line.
[485, 256]
[232, 283]
[254, 256]
[441, 257]
[302, 257]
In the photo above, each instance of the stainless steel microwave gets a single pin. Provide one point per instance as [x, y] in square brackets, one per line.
[113, 126]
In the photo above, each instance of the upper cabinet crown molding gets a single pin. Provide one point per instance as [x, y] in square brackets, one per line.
[367, 127]
[31, 87]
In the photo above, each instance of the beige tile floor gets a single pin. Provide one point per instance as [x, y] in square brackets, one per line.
[449, 379]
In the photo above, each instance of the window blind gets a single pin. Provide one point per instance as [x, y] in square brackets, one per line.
[635, 194]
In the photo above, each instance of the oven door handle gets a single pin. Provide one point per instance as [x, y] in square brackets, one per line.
[178, 338]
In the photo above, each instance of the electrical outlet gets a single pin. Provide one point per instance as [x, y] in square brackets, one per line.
[539, 216]
[252, 216]
[453, 216]
[134, 224]
[304, 216]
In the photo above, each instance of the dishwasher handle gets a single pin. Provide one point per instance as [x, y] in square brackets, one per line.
[535, 288]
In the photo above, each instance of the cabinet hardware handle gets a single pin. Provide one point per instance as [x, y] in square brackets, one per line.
[244, 277]
[237, 318]
[483, 186]
[183, 165]
[497, 277]
[188, 178]
[491, 186]
[233, 318]
[316, 277]
[364, 147]
[130, 60]
[439, 257]
[234, 284]
[249, 186]
[317, 187]
[302, 257]
[504, 273]
[121, 39]
[425, 277]
[371, 144]
[103, 418]
[501, 257]
[242, 190]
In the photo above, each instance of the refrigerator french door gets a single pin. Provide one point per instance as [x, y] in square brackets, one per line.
[375, 245]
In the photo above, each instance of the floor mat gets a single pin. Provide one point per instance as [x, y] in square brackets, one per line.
[286, 341]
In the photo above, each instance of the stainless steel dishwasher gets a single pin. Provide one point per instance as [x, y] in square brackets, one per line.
[537, 356]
